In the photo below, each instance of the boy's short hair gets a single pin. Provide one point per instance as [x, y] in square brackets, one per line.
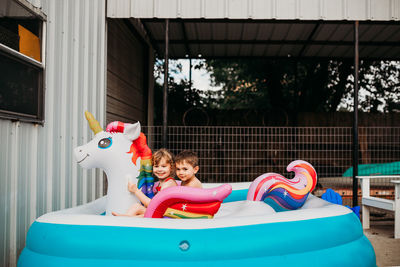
[188, 156]
[163, 154]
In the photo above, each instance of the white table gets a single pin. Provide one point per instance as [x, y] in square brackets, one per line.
[367, 201]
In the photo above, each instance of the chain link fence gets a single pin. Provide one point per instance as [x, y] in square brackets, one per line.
[240, 154]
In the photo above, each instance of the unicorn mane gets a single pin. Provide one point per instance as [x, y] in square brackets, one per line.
[138, 149]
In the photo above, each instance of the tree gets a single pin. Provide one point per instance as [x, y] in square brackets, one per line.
[379, 87]
[309, 85]
[282, 86]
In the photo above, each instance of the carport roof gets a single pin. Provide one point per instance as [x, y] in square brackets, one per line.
[262, 28]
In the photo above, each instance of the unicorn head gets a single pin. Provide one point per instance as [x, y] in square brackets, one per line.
[120, 151]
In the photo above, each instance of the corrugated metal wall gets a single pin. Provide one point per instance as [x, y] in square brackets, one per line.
[257, 9]
[38, 173]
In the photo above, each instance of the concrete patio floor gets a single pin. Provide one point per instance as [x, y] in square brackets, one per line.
[387, 249]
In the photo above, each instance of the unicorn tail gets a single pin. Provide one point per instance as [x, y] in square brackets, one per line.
[281, 193]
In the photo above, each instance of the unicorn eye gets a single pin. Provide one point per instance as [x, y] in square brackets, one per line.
[105, 143]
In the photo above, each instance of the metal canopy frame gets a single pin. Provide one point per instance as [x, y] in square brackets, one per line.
[309, 41]
[245, 38]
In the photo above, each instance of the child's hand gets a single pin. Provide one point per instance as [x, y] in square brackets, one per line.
[132, 187]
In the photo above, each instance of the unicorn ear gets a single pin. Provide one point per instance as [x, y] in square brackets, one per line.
[132, 131]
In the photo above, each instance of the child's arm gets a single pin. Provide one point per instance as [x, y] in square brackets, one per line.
[139, 194]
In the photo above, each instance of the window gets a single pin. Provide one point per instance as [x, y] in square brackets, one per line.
[21, 65]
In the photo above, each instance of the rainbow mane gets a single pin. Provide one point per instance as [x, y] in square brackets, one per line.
[284, 194]
[138, 149]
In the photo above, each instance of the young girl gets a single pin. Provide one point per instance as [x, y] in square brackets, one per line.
[163, 169]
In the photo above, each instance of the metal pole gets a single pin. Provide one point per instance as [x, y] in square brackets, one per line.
[165, 91]
[355, 118]
[190, 73]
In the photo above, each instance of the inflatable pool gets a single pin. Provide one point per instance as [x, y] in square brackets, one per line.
[272, 221]
[242, 232]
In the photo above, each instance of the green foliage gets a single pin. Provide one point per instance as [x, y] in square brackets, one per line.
[311, 85]
[379, 87]
[307, 85]
[283, 85]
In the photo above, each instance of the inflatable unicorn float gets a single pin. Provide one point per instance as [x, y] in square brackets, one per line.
[270, 221]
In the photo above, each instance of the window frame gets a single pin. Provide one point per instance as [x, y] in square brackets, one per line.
[23, 59]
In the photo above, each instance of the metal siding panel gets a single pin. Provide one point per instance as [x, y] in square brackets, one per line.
[326, 32]
[257, 9]
[102, 72]
[266, 31]
[273, 50]
[33, 176]
[5, 172]
[25, 182]
[64, 103]
[372, 32]
[310, 9]
[234, 31]
[191, 31]
[233, 50]
[380, 10]
[238, 9]
[395, 9]
[175, 31]
[246, 50]
[258, 50]
[280, 31]
[356, 10]
[204, 31]
[119, 8]
[144, 8]
[326, 51]
[189, 9]
[37, 170]
[166, 9]
[124, 6]
[250, 31]
[395, 37]
[262, 9]
[286, 9]
[393, 52]
[333, 10]
[219, 49]
[389, 34]
[213, 9]
[85, 96]
[13, 183]
[219, 31]
[75, 99]
[158, 30]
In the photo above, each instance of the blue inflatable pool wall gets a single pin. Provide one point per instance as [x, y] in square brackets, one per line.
[327, 241]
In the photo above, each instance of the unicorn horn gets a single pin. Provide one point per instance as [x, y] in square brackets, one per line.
[93, 123]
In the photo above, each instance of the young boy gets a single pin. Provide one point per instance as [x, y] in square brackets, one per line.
[186, 167]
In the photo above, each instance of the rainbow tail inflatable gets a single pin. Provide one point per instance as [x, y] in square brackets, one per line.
[284, 194]
[183, 202]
